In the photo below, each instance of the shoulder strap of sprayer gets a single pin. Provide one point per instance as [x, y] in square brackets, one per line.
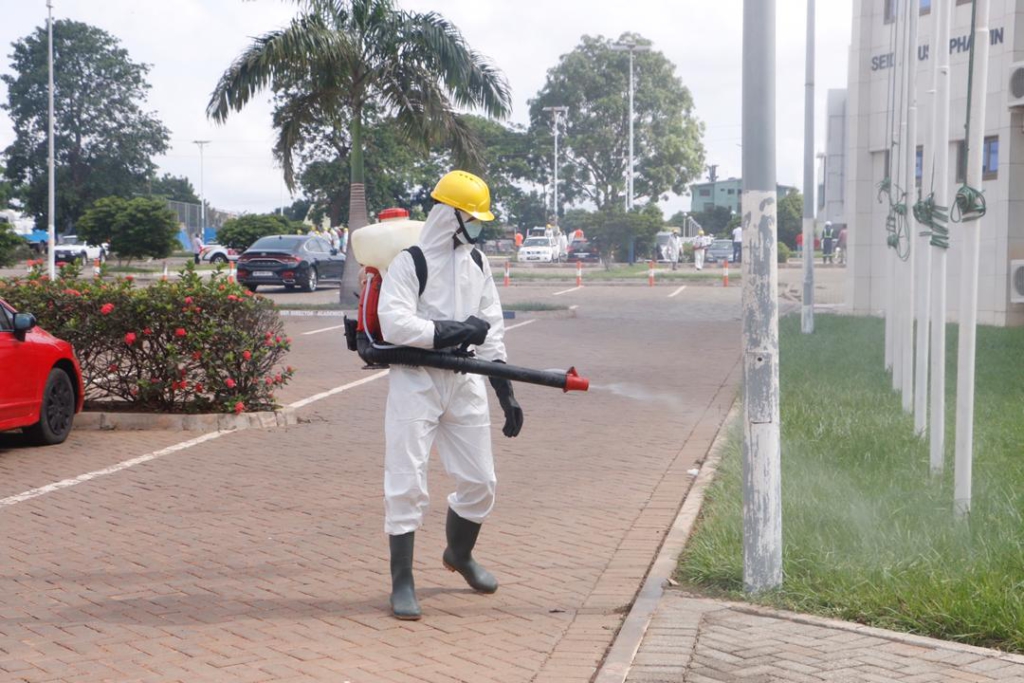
[420, 261]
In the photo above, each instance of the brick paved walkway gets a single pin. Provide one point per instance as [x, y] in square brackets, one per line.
[704, 641]
[260, 555]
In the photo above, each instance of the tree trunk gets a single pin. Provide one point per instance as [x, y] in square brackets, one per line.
[348, 293]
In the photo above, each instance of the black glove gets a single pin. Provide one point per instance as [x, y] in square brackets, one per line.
[472, 330]
[509, 404]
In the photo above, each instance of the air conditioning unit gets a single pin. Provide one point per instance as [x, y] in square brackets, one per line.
[1015, 86]
[1017, 282]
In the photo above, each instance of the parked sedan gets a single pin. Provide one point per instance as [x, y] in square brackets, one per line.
[42, 383]
[582, 250]
[719, 250]
[290, 260]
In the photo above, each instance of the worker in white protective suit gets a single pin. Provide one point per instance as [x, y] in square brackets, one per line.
[699, 247]
[457, 310]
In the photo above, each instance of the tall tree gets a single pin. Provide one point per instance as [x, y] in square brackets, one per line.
[593, 82]
[791, 211]
[344, 57]
[175, 188]
[104, 141]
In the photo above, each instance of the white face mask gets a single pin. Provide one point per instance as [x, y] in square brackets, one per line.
[471, 225]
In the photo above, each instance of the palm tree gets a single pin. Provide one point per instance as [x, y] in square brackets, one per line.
[348, 56]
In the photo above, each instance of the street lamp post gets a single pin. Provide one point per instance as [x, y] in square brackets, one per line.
[51, 224]
[556, 113]
[631, 47]
[202, 195]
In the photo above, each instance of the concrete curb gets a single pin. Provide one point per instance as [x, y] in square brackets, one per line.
[207, 422]
[627, 642]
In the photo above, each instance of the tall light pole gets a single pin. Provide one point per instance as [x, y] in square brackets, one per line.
[631, 47]
[762, 471]
[51, 229]
[202, 196]
[556, 114]
[807, 309]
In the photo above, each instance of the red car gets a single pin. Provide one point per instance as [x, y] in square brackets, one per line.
[41, 387]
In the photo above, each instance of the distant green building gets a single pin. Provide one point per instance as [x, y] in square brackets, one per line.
[727, 193]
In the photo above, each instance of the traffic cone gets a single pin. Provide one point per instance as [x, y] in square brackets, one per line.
[650, 273]
[725, 272]
[579, 273]
[164, 276]
[231, 271]
[508, 273]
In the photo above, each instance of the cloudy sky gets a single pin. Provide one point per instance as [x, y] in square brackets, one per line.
[189, 43]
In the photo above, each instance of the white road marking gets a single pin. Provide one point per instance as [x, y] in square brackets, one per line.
[566, 291]
[669, 296]
[573, 307]
[67, 483]
[325, 329]
[337, 390]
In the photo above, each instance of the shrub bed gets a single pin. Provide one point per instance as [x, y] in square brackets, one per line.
[190, 345]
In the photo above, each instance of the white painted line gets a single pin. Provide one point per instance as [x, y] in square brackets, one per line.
[525, 322]
[325, 329]
[66, 483]
[337, 390]
[573, 307]
[566, 291]
[669, 296]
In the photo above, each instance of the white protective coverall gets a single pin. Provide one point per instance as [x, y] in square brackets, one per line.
[428, 404]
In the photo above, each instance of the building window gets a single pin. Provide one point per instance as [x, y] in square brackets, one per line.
[732, 191]
[705, 192]
[989, 160]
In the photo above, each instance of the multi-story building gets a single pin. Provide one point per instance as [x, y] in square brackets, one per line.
[870, 110]
[712, 194]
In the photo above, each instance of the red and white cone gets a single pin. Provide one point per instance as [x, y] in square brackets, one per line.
[725, 272]
[579, 273]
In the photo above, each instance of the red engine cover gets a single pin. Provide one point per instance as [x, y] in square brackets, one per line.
[368, 298]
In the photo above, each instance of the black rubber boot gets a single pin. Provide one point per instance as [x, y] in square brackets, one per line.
[403, 589]
[458, 556]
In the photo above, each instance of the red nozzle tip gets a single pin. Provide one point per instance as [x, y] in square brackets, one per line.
[573, 381]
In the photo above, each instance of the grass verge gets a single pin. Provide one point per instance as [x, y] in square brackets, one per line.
[869, 535]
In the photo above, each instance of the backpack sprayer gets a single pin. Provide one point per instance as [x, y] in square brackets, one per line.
[375, 246]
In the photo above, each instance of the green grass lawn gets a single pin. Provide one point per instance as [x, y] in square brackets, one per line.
[868, 535]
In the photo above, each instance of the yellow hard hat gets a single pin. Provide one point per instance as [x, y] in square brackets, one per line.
[700, 232]
[465, 191]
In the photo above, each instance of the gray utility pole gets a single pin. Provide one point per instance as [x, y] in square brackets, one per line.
[807, 309]
[202, 195]
[51, 223]
[556, 114]
[762, 475]
[631, 47]
[969, 271]
[940, 137]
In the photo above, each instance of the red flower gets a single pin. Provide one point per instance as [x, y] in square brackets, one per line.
[247, 355]
[239, 408]
[277, 378]
[129, 338]
[288, 340]
[106, 309]
[268, 381]
[72, 292]
[180, 332]
[232, 297]
[229, 383]
[188, 299]
[196, 355]
[199, 388]
[130, 278]
[147, 331]
[112, 367]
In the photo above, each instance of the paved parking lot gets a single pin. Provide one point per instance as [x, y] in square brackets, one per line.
[260, 555]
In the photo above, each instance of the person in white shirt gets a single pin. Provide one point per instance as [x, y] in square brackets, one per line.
[700, 246]
[737, 244]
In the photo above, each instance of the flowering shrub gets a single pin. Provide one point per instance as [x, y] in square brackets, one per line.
[190, 345]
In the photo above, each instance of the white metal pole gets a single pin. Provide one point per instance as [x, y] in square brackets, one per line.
[896, 281]
[922, 254]
[940, 137]
[807, 306]
[556, 169]
[629, 177]
[762, 475]
[202, 194]
[969, 272]
[51, 223]
[907, 267]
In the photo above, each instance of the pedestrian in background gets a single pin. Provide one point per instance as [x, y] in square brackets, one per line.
[841, 245]
[799, 244]
[737, 244]
[197, 248]
[827, 242]
[700, 246]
